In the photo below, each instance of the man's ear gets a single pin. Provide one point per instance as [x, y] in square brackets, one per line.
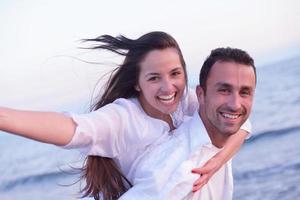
[200, 94]
[137, 88]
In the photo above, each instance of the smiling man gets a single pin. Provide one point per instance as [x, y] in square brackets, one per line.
[225, 96]
[225, 93]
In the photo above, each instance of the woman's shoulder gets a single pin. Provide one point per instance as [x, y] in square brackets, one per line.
[189, 102]
[123, 107]
[130, 104]
[191, 96]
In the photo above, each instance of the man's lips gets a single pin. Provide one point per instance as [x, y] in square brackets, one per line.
[230, 115]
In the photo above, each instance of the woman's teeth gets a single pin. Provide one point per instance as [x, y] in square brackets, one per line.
[167, 98]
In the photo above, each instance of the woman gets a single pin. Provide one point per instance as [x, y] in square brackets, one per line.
[144, 98]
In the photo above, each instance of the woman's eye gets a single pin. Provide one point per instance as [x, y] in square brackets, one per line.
[154, 78]
[176, 73]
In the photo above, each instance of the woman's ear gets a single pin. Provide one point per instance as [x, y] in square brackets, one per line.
[137, 88]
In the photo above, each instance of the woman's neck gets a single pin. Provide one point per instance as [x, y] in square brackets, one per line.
[152, 112]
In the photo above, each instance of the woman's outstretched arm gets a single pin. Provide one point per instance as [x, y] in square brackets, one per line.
[48, 127]
[230, 148]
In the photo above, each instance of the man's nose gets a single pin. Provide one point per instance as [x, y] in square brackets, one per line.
[234, 102]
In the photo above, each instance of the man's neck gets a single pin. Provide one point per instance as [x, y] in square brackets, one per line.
[215, 136]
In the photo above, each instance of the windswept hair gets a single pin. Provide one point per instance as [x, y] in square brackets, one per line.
[103, 177]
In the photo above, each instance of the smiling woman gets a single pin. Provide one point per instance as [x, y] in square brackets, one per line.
[161, 83]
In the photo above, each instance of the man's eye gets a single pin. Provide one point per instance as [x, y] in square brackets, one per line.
[224, 90]
[245, 93]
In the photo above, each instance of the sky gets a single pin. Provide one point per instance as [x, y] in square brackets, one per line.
[40, 59]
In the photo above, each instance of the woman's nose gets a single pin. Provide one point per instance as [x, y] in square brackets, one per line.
[167, 85]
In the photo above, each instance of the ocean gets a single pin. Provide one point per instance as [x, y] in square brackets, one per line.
[267, 166]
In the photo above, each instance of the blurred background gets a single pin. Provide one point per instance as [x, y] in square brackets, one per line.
[43, 68]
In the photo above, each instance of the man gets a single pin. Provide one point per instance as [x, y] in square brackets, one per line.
[225, 96]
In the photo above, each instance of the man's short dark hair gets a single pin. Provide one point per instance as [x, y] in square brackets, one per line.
[224, 55]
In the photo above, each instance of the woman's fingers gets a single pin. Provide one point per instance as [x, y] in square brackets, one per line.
[200, 182]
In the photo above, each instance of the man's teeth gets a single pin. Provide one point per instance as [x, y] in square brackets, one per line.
[226, 115]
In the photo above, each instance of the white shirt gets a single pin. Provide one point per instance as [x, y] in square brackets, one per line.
[122, 130]
[164, 170]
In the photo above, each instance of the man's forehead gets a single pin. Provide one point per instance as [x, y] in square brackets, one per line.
[231, 73]
[232, 85]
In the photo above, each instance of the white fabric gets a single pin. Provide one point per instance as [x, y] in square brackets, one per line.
[122, 130]
[164, 170]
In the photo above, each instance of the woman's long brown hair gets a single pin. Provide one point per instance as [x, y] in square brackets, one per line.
[104, 179]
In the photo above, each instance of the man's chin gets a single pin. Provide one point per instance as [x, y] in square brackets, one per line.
[230, 131]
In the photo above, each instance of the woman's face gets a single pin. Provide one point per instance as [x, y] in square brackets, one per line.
[161, 82]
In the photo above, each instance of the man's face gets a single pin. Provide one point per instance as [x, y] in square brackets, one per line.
[227, 102]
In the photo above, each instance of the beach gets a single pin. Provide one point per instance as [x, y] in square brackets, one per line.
[267, 166]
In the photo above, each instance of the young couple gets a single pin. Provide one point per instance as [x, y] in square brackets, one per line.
[148, 133]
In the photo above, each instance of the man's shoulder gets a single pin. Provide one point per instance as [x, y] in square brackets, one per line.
[194, 130]
[193, 122]
[185, 125]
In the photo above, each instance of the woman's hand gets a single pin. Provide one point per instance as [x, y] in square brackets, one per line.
[206, 172]
[232, 145]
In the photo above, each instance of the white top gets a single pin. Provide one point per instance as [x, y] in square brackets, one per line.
[123, 131]
[164, 170]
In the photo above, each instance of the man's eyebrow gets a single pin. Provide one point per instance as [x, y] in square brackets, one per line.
[227, 85]
[247, 88]
[222, 84]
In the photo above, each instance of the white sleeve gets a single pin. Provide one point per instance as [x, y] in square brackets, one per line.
[100, 132]
[247, 127]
